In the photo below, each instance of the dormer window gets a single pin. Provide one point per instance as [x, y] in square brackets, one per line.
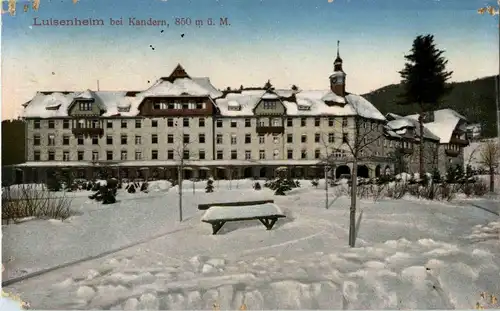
[159, 106]
[304, 107]
[85, 106]
[233, 106]
[123, 109]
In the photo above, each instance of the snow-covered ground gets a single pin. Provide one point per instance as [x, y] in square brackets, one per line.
[409, 254]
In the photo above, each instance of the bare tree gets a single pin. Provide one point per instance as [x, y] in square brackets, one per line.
[181, 151]
[360, 140]
[490, 157]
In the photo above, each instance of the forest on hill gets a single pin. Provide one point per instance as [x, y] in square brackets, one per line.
[474, 99]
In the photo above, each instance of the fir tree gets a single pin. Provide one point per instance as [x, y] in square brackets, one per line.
[424, 78]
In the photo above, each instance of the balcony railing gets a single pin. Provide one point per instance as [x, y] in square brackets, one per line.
[452, 152]
[459, 141]
[404, 150]
[270, 129]
[88, 131]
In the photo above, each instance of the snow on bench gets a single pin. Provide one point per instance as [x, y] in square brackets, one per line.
[267, 214]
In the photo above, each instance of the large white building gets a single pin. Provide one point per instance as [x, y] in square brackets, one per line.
[226, 134]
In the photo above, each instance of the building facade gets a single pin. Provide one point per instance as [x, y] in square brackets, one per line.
[183, 123]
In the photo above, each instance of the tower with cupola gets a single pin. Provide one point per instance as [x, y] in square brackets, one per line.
[337, 78]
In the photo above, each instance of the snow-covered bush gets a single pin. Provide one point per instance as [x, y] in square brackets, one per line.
[210, 186]
[19, 201]
[257, 186]
[315, 183]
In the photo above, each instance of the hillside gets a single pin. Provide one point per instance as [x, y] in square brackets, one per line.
[474, 99]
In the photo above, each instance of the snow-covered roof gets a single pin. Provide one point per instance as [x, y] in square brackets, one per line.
[56, 104]
[313, 100]
[399, 125]
[445, 122]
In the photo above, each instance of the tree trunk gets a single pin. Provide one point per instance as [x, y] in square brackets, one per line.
[179, 180]
[326, 186]
[492, 179]
[352, 214]
[421, 145]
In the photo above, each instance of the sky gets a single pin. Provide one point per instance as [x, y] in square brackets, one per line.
[286, 41]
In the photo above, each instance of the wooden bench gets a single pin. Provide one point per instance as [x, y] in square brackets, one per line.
[267, 214]
[242, 203]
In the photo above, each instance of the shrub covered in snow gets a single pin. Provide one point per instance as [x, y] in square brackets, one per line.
[28, 200]
[210, 186]
[257, 186]
[315, 183]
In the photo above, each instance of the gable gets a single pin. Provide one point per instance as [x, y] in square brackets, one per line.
[84, 107]
[269, 106]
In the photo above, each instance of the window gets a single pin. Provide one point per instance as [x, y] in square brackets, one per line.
[248, 122]
[170, 122]
[289, 122]
[344, 122]
[248, 138]
[201, 138]
[95, 140]
[36, 155]
[52, 156]
[218, 139]
[138, 140]
[302, 122]
[123, 139]
[220, 155]
[65, 155]
[345, 138]
[36, 124]
[95, 155]
[154, 154]
[201, 154]
[331, 137]
[331, 121]
[79, 140]
[262, 139]
[317, 121]
[138, 123]
[138, 155]
[317, 137]
[109, 124]
[80, 155]
[303, 138]
[201, 122]
[124, 124]
[81, 124]
[276, 138]
[289, 154]
[185, 122]
[233, 123]
[109, 155]
[159, 106]
[276, 122]
[109, 140]
[234, 154]
[303, 154]
[248, 155]
[65, 124]
[51, 140]
[219, 123]
[185, 138]
[170, 139]
[170, 154]
[276, 154]
[154, 123]
[154, 138]
[317, 154]
[36, 140]
[185, 154]
[289, 138]
[270, 105]
[95, 124]
[85, 106]
[123, 155]
[262, 154]
[65, 140]
[233, 139]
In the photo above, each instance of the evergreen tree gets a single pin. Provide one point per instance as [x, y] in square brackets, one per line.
[295, 88]
[436, 176]
[450, 175]
[268, 85]
[424, 78]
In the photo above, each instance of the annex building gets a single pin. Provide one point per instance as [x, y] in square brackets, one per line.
[186, 122]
